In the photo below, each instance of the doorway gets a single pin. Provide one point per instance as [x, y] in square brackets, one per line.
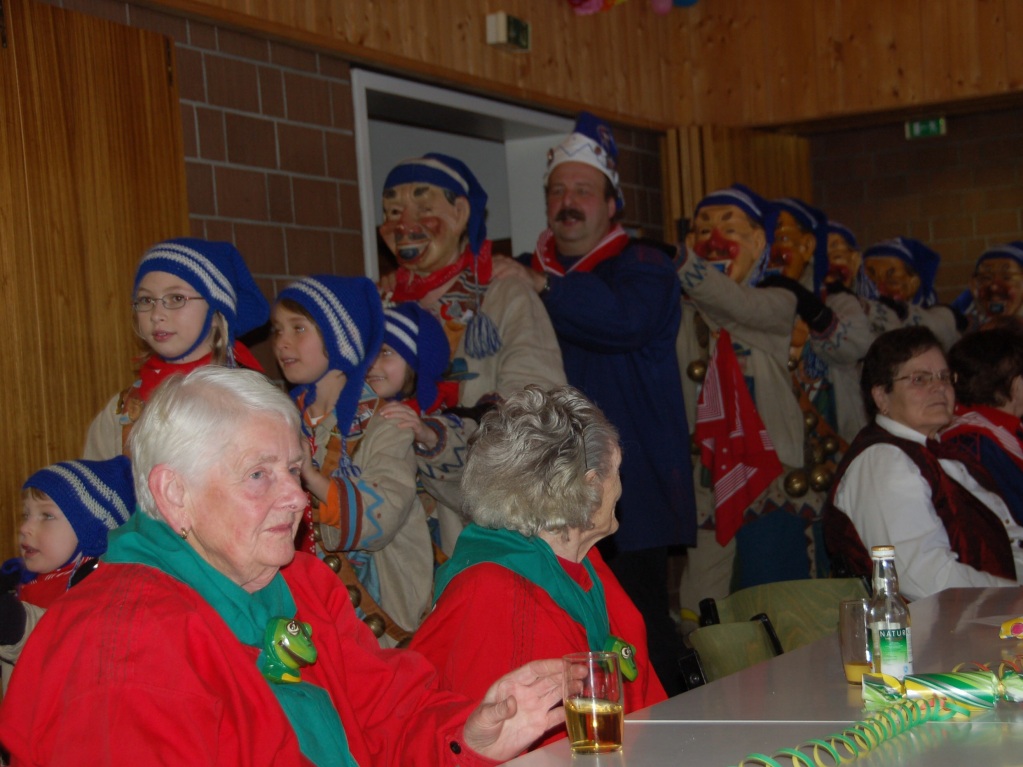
[504, 145]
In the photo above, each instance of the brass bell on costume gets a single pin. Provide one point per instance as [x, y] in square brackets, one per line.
[376, 624]
[354, 596]
[793, 363]
[821, 478]
[333, 561]
[317, 535]
[797, 483]
[830, 446]
[697, 370]
[810, 420]
[818, 453]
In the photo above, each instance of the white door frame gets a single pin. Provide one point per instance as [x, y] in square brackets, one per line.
[528, 132]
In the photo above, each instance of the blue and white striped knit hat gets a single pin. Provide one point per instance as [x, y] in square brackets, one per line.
[95, 497]
[350, 317]
[420, 340]
[814, 221]
[760, 211]
[452, 174]
[1012, 250]
[216, 271]
[919, 258]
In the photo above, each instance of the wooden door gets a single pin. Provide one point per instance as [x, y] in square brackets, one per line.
[91, 174]
[701, 159]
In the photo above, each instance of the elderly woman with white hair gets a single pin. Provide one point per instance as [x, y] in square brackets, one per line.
[525, 580]
[204, 638]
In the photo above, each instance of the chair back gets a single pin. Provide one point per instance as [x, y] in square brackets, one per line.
[725, 648]
[801, 611]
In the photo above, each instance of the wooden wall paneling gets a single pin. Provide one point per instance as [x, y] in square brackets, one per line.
[955, 66]
[1012, 29]
[679, 63]
[790, 78]
[577, 62]
[23, 442]
[731, 61]
[104, 175]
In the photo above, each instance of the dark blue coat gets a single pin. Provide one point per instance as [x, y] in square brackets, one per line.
[617, 326]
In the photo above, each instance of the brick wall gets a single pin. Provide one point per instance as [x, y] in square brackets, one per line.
[960, 194]
[639, 168]
[270, 149]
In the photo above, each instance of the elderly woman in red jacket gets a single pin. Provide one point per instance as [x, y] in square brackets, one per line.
[525, 580]
[204, 638]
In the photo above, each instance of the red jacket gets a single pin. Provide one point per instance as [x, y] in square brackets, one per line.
[134, 668]
[490, 621]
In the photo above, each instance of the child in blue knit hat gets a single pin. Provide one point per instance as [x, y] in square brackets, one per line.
[362, 467]
[192, 299]
[409, 373]
[68, 509]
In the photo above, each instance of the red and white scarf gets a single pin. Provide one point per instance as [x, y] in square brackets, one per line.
[155, 370]
[412, 287]
[734, 444]
[545, 257]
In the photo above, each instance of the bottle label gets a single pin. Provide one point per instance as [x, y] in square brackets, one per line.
[892, 652]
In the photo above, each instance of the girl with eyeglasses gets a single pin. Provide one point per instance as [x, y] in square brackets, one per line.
[192, 299]
[898, 485]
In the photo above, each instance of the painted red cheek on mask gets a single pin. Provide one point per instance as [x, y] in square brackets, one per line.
[716, 247]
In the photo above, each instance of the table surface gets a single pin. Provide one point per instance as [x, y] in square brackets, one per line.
[803, 694]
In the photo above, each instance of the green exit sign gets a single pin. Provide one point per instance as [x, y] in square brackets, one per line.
[926, 128]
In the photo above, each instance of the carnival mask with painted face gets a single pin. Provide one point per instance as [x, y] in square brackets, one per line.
[423, 227]
[792, 248]
[726, 237]
[997, 286]
[843, 261]
[893, 277]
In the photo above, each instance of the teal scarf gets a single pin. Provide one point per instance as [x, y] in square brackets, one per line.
[534, 560]
[145, 541]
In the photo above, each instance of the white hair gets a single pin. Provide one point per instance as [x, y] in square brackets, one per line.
[189, 420]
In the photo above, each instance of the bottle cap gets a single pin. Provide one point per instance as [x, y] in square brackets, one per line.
[882, 552]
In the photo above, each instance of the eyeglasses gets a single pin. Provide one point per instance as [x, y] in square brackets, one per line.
[923, 378]
[171, 301]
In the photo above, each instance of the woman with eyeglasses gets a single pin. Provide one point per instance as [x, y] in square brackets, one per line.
[897, 485]
[192, 299]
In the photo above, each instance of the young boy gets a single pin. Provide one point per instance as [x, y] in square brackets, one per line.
[68, 509]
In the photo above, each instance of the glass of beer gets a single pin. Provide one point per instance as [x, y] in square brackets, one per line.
[852, 633]
[593, 702]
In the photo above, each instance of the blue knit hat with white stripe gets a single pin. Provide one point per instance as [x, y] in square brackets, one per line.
[449, 173]
[452, 174]
[918, 257]
[1011, 250]
[94, 496]
[350, 317]
[216, 271]
[420, 340]
[811, 220]
[760, 211]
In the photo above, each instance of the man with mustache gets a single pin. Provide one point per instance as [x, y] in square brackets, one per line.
[614, 303]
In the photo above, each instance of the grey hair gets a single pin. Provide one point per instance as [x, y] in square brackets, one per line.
[189, 420]
[528, 462]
